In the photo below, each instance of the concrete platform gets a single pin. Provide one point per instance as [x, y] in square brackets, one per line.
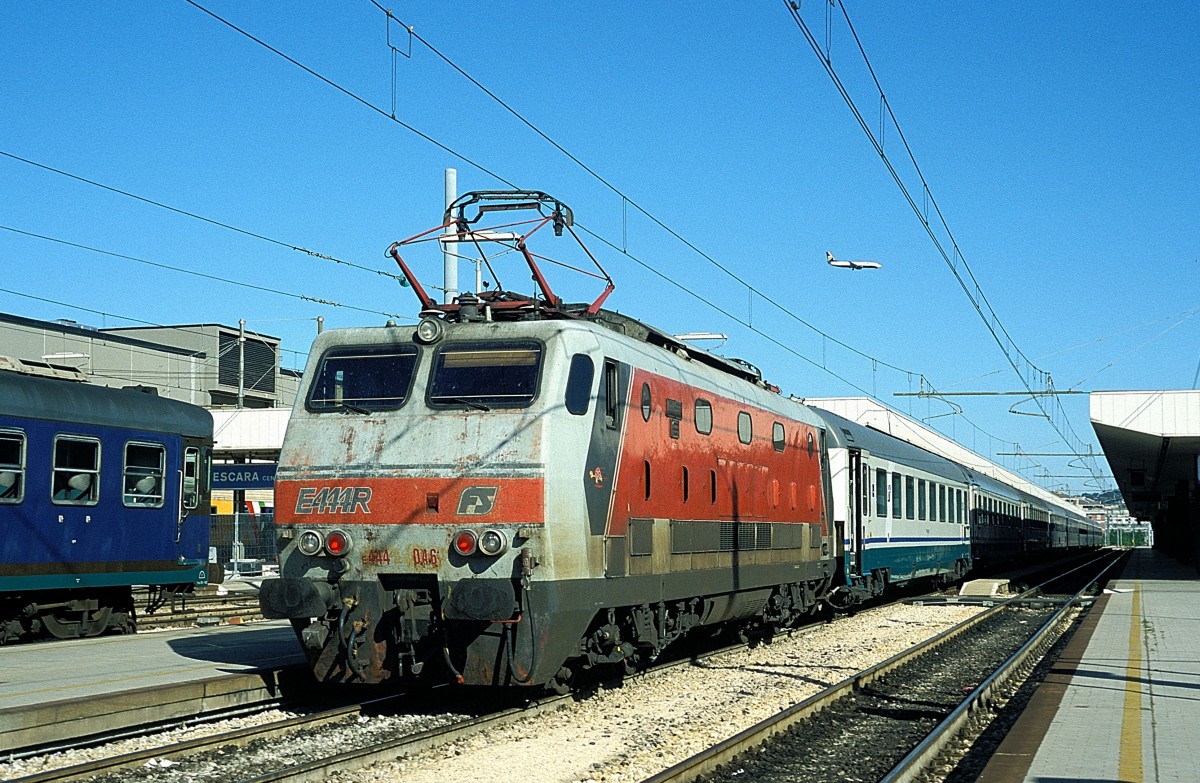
[1123, 703]
[65, 689]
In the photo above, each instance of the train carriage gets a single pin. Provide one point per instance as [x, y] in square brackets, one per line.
[996, 525]
[100, 489]
[901, 510]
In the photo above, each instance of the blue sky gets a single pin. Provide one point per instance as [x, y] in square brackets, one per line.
[1059, 142]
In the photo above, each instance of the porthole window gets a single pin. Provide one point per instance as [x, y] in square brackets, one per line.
[646, 402]
[745, 427]
[703, 415]
[811, 445]
[777, 436]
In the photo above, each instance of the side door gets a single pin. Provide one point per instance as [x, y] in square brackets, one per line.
[859, 505]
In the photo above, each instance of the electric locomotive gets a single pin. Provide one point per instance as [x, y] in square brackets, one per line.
[100, 489]
[517, 489]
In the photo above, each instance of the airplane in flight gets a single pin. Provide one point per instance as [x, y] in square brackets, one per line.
[843, 264]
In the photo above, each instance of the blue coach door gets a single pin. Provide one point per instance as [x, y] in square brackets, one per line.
[192, 526]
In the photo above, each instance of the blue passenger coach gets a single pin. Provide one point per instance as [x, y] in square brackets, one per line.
[903, 511]
[100, 489]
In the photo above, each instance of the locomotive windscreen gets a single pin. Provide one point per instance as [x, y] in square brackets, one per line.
[363, 378]
[502, 375]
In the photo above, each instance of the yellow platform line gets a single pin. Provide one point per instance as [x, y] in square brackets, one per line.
[1129, 764]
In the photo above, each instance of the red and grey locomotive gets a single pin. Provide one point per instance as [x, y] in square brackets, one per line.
[518, 489]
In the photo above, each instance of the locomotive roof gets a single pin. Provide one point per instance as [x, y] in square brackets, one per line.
[83, 403]
[631, 327]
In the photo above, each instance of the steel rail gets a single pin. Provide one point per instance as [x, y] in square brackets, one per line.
[1018, 666]
[708, 760]
[238, 738]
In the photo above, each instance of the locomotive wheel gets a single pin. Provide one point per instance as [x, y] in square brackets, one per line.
[561, 684]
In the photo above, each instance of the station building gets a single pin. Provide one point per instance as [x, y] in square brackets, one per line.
[203, 364]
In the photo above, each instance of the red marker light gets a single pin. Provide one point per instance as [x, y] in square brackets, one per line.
[464, 543]
[337, 543]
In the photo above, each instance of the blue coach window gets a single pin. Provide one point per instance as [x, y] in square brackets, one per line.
[144, 468]
[12, 466]
[191, 477]
[76, 472]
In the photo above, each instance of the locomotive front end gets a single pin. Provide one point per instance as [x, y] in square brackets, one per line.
[412, 498]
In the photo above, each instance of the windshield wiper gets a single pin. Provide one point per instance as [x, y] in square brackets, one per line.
[349, 408]
[479, 406]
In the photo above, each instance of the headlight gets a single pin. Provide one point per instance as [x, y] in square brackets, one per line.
[310, 542]
[493, 542]
[430, 330]
[337, 543]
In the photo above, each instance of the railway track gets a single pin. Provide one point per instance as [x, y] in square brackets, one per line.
[308, 748]
[895, 721]
[372, 733]
[317, 744]
[204, 608]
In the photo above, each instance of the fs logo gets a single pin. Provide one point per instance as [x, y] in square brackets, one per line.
[477, 501]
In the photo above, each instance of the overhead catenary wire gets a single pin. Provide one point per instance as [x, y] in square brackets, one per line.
[194, 273]
[471, 162]
[1012, 352]
[195, 216]
[627, 201]
[875, 361]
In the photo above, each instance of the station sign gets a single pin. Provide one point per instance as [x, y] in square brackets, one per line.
[247, 475]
